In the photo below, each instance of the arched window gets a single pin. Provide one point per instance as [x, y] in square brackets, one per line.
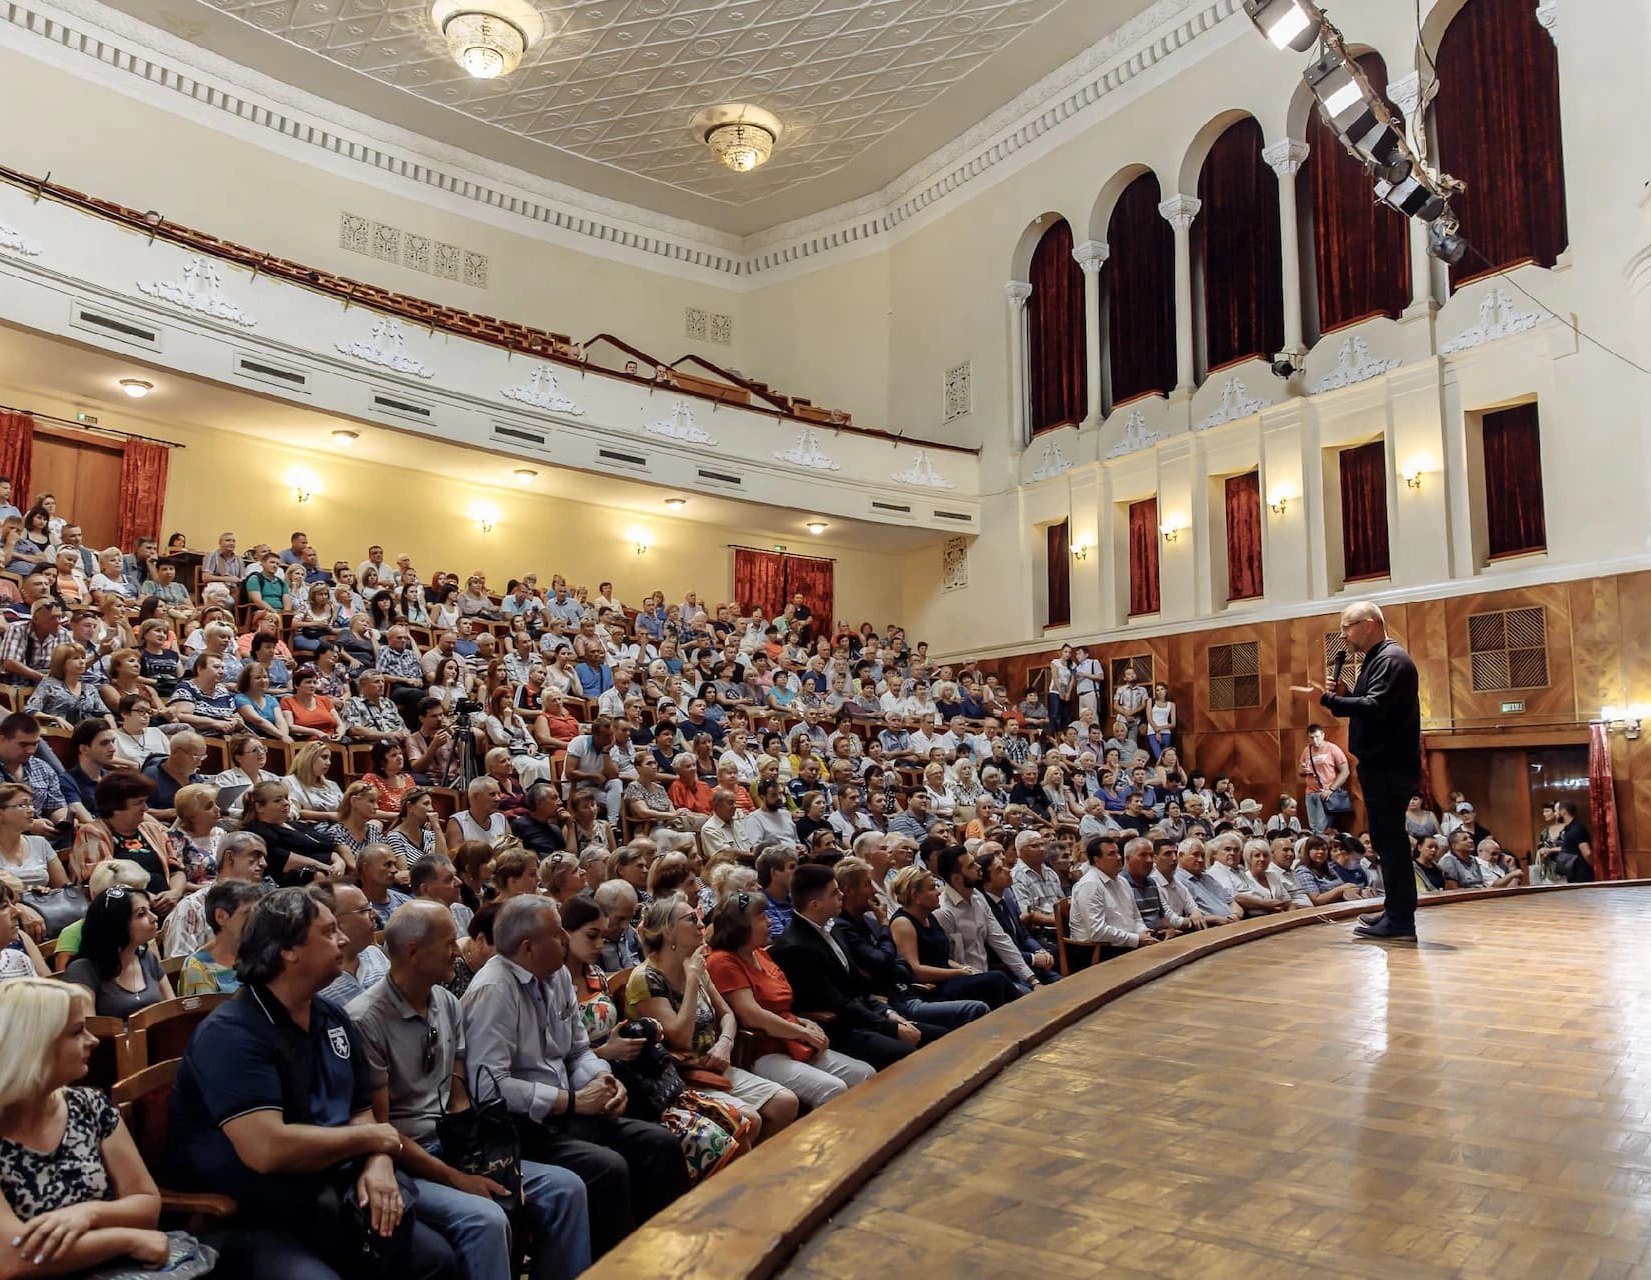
[1497, 123]
[1057, 374]
[1359, 249]
[1138, 296]
[1239, 278]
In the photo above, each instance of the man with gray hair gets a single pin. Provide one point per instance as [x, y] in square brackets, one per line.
[364, 961]
[621, 948]
[723, 830]
[413, 1034]
[240, 857]
[522, 1025]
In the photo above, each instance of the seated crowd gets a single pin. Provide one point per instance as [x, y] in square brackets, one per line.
[634, 888]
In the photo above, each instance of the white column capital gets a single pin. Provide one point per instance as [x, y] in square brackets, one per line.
[1547, 13]
[1286, 156]
[1406, 93]
[1179, 211]
[1017, 291]
[1091, 255]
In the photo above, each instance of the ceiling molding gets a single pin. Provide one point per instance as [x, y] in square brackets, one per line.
[93, 41]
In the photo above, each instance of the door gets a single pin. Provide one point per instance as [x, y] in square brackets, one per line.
[1508, 786]
[84, 474]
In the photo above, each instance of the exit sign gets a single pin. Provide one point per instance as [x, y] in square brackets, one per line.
[779, 546]
[1513, 708]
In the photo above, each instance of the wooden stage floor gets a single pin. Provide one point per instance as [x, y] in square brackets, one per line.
[1308, 1105]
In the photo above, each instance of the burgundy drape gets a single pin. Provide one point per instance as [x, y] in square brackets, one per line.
[1364, 547]
[1514, 518]
[1497, 123]
[1059, 369]
[142, 491]
[1143, 557]
[1359, 248]
[759, 579]
[1238, 255]
[1602, 801]
[1138, 295]
[1059, 573]
[17, 455]
[1244, 536]
[816, 580]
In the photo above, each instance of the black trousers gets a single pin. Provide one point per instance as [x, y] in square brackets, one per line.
[874, 1047]
[631, 1169]
[1385, 796]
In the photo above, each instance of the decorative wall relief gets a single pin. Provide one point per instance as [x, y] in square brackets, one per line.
[922, 474]
[954, 565]
[1053, 464]
[386, 347]
[959, 394]
[680, 426]
[12, 241]
[1497, 319]
[1236, 403]
[542, 391]
[1354, 364]
[1136, 436]
[201, 290]
[806, 452]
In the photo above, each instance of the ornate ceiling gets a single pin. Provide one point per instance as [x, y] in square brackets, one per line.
[865, 90]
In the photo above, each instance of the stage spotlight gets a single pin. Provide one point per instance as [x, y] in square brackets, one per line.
[1411, 198]
[1289, 24]
[1285, 367]
[1352, 113]
[1446, 243]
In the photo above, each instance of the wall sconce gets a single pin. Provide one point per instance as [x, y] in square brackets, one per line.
[1080, 551]
[641, 548]
[1170, 531]
[1279, 504]
[486, 524]
[301, 493]
[1413, 478]
[1628, 719]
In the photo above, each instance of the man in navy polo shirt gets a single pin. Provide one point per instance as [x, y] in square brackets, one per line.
[273, 1106]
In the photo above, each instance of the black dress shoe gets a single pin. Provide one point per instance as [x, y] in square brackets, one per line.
[1385, 929]
[1371, 918]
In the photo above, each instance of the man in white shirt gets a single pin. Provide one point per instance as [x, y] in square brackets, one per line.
[721, 831]
[1103, 906]
[1166, 861]
[612, 701]
[975, 936]
[1282, 850]
[847, 820]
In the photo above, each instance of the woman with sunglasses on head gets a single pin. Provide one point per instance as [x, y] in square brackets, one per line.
[116, 963]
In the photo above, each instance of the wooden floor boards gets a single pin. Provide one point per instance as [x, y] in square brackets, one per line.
[1308, 1105]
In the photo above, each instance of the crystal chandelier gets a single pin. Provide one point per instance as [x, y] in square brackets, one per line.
[485, 44]
[741, 145]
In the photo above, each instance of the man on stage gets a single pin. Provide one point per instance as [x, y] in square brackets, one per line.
[1385, 735]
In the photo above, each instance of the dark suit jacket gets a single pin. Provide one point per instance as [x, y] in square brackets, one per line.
[1006, 911]
[1384, 712]
[819, 982]
[871, 950]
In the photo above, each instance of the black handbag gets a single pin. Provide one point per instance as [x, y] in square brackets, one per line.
[651, 1079]
[59, 908]
[1338, 801]
[482, 1140]
[343, 1228]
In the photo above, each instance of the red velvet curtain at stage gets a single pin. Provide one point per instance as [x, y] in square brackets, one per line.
[1514, 519]
[1237, 234]
[1244, 536]
[1360, 248]
[1059, 574]
[770, 579]
[1055, 322]
[142, 491]
[1364, 546]
[1602, 794]
[1138, 295]
[17, 455]
[1496, 120]
[1143, 557]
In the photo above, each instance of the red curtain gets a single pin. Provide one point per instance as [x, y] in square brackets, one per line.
[1602, 798]
[759, 579]
[17, 455]
[1360, 249]
[1497, 123]
[1055, 319]
[1364, 547]
[1143, 557]
[142, 491]
[1514, 517]
[815, 579]
[1059, 572]
[1239, 250]
[1244, 536]
[1138, 296]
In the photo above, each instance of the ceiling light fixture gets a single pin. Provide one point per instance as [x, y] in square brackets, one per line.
[1285, 22]
[675, 504]
[488, 37]
[137, 388]
[343, 438]
[525, 475]
[740, 135]
[816, 527]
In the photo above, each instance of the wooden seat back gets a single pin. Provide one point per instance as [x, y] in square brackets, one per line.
[163, 1030]
[1072, 954]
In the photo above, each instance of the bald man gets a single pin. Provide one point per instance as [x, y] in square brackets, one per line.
[1385, 735]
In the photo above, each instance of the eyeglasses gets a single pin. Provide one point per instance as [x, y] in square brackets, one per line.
[432, 1042]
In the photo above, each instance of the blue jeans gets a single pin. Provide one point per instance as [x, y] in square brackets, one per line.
[479, 1232]
[1317, 818]
[943, 1013]
[1157, 742]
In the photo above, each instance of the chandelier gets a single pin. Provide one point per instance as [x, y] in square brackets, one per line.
[740, 135]
[487, 37]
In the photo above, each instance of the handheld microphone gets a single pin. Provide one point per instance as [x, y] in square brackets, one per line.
[1335, 671]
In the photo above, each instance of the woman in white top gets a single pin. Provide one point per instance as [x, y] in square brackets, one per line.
[315, 796]
[28, 857]
[934, 782]
[1160, 720]
[247, 754]
[1063, 805]
[1060, 688]
[108, 576]
[739, 755]
[559, 675]
[136, 738]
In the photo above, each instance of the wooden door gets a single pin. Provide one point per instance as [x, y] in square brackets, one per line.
[84, 474]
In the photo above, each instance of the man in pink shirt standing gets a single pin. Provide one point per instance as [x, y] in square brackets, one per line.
[1324, 766]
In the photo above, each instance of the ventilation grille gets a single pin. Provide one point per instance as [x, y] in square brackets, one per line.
[1509, 650]
[1334, 644]
[261, 369]
[1235, 676]
[403, 408]
[108, 323]
[959, 517]
[622, 459]
[1142, 662]
[518, 435]
[890, 508]
[719, 477]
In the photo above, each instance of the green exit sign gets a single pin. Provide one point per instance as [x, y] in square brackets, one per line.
[779, 546]
[1513, 708]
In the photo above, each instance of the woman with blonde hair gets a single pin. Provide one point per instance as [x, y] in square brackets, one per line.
[195, 835]
[247, 756]
[355, 824]
[64, 696]
[562, 877]
[314, 794]
[125, 668]
[74, 1192]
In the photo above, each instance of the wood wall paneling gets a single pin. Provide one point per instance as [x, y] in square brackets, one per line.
[85, 477]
